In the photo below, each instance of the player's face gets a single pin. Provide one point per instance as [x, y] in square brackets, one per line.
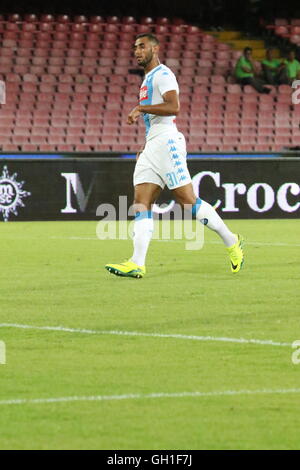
[143, 51]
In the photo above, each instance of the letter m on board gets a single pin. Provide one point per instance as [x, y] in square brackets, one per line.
[73, 183]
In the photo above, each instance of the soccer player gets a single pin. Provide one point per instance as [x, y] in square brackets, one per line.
[163, 162]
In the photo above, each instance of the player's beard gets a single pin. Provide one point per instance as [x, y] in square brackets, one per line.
[147, 60]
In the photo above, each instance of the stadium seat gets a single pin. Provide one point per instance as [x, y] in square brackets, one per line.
[119, 147]
[14, 17]
[65, 147]
[91, 139]
[30, 147]
[11, 147]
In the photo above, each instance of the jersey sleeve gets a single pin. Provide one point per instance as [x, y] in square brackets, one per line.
[167, 82]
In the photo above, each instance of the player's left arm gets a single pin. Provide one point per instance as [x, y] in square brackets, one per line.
[170, 107]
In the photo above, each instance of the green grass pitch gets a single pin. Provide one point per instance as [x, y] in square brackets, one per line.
[52, 274]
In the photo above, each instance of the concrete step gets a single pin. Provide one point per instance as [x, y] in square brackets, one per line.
[225, 36]
[260, 54]
[242, 43]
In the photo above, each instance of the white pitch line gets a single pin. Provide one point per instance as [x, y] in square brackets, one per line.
[142, 334]
[261, 243]
[183, 241]
[139, 396]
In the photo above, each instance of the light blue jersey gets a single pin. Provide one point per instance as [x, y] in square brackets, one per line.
[156, 83]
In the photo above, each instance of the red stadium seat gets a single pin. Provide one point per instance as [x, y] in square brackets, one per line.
[236, 89]
[146, 20]
[20, 139]
[128, 20]
[53, 131]
[65, 147]
[46, 148]
[282, 131]
[14, 17]
[65, 88]
[73, 139]
[70, 69]
[82, 78]
[65, 78]
[55, 52]
[30, 148]
[262, 147]
[59, 121]
[56, 139]
[82, 148]
[46, 18]
[44, 30]
[39, 130]
[30, 27]
[77, 107]
[232, 140]
[80, 19]
[40, 113]
[12, 27]
[63, 19]
[96, 19]
[41, 121]
[30, 18]
[48, 78]
[39, 61]
[246, 147]
[10, 147]
[10, 42]
[127, 28]
[91, 139]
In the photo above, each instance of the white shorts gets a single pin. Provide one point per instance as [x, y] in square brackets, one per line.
[163, 162]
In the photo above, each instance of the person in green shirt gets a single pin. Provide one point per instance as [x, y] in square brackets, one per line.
[292, 66]
[274, 70]
[245, 72]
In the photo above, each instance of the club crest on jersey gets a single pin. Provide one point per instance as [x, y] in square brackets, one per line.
[144, 93]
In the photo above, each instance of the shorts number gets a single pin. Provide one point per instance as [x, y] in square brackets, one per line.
[172, 180]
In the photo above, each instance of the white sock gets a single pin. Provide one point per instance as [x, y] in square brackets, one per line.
[209, 217]
[142, 234]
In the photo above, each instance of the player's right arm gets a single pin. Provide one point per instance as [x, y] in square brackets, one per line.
[169, 107]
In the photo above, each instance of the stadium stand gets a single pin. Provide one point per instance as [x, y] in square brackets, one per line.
[288, 30]
[68, 87]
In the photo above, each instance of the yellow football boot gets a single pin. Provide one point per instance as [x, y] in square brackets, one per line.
[236, 255]
[127, 269]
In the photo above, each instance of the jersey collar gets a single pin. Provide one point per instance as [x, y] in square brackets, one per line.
[153, 70]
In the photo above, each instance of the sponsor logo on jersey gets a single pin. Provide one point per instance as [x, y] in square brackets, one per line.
[144, 93]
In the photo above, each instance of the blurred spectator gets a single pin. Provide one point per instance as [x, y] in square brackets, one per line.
[293, 67]
[275, 70]
[245, 72]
